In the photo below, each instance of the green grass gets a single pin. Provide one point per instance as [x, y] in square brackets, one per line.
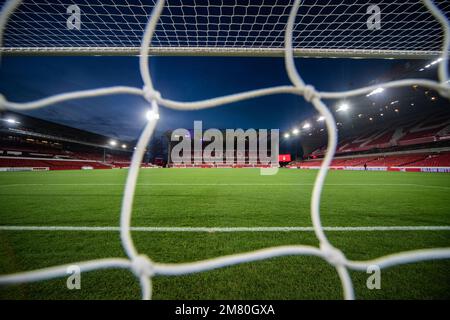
[163, 198]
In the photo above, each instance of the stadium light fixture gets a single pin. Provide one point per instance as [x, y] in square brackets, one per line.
[295, 131]
[124, 146]
[152, 115]
[287, 135]
[113, 143]
[436, 61]
[343, 107]
[11, 120]
[307, 125]
[321, 118]
[376, 91]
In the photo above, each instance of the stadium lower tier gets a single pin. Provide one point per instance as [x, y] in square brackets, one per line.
[404, 162]
[15, 164]
[29, 164]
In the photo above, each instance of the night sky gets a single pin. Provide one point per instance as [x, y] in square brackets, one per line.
[178, 78]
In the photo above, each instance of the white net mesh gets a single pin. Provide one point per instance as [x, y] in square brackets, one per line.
[141, 265]
[253, 27]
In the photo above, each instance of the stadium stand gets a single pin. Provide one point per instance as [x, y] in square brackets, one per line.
[407, 132]
[201, 162]
[28, 143]
[384, 161]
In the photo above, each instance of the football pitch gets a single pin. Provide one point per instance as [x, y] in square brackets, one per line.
[184, 215]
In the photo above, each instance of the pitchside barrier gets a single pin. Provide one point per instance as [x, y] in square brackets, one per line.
[146, 269]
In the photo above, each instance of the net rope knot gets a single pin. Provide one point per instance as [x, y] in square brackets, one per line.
[310, 93]
[332, 255]
[151, 94]
[141, 265]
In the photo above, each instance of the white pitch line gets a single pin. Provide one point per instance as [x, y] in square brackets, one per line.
[224, 229]
[228, 184]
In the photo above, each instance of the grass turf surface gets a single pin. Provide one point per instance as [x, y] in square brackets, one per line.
[224, 198]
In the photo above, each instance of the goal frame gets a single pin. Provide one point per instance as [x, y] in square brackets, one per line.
[219, 51]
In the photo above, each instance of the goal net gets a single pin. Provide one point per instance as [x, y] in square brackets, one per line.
[236, 27]
[337, 28]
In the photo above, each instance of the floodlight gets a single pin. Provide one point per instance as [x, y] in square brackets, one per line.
[10, 120]
[124, 146]
[287, 135]
[307, 125]
[343, 107]
[152, 115]
[113, 143]
[376, 91]
[321, 118]
[295, 131]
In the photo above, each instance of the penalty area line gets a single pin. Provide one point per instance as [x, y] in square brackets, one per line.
[224, 229]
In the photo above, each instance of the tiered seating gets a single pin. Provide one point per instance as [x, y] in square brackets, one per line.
[436, 160]
[87, 156]
[395, 160]
[50, 163]
[352, 162]
[74, 165]
[410, 131]
[383, 140]
[422, 136]
[19, 162]
[409, 160]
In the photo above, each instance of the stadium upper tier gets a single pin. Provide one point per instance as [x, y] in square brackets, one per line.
[403, 132]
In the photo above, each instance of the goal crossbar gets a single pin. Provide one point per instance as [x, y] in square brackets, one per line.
[212, 51]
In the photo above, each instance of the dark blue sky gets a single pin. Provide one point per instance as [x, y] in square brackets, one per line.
[179, 78]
